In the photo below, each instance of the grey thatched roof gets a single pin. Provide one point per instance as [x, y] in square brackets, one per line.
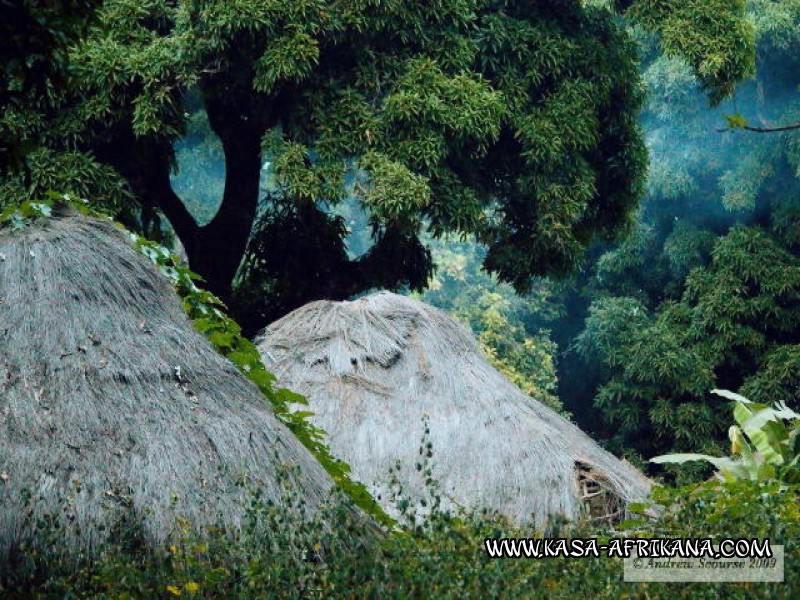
[373, 368]
[92, 412]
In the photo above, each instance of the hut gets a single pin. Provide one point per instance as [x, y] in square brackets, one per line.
[393, 380]
[111, 400]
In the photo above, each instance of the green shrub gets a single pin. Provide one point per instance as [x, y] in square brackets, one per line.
[279, 553]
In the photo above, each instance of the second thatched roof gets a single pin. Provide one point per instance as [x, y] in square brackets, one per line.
[110, 400]
[375, 369]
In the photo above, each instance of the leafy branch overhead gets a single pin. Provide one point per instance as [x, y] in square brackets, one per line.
[710, 34]
[513, 122]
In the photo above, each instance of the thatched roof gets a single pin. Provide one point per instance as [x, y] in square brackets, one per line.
[373, 368]
[109, 397]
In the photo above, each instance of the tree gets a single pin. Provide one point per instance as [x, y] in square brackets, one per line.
[511, 121]
[34, 37]
[737, 317]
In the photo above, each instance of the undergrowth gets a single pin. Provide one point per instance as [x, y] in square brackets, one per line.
[277, 554]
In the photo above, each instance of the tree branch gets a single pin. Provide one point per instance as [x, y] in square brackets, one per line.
[791, 127]
[145, 164]
[157, 191]
[772, 129]
[179, 216]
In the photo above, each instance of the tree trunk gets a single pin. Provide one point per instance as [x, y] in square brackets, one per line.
[240, 119]
[217, 248]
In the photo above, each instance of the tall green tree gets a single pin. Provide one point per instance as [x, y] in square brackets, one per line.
[514, 121]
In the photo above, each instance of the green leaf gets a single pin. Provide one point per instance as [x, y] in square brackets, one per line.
[731, 396]
[221, 339]
[767, 432]
[638, 507]
[303, 414]
[679, 459]
[736, 121]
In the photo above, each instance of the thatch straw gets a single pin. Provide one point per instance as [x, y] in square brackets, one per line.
[374, 368]
[109, 397]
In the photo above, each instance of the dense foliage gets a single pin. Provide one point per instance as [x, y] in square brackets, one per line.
[34, 41]
[765, 443]
[704, 293]
[277, 554]
[511, 121]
